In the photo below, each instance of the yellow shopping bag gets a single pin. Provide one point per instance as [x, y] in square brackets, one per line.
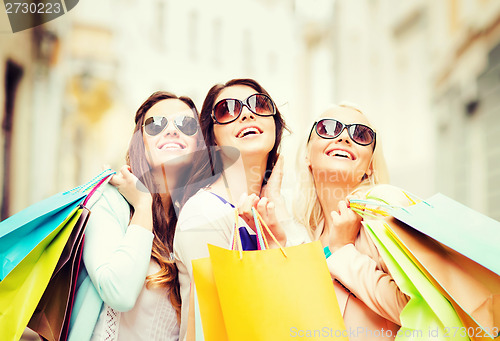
[273, 294]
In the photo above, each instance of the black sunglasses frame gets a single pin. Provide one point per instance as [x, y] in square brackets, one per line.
[243, 103]
[344, 126]
[166, 125]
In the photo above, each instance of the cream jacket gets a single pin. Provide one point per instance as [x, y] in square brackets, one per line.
[369, 299]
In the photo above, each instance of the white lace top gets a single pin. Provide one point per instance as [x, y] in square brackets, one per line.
[152, 318]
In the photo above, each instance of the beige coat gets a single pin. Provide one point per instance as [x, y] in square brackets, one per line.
[369, 299]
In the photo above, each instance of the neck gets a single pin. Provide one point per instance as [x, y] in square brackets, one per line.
[252, 168]
[255, 169]
[166, 180]
[330, 193]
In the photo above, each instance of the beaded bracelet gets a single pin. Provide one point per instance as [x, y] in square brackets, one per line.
[327, 252]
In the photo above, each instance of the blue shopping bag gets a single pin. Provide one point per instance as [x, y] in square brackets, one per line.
[22, 232]
[457, 226]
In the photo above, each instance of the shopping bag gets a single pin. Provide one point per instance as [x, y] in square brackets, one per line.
[213, 325]
[22, 289]
[473, 290]
[457, 226]
[276, 294]
[194, 327]
[28, 269]
[31, 226]
[206, 291]
[52, 315]
[20, 233]
[428, 315]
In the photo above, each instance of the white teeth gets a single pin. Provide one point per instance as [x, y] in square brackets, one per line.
[172, 146]
[341, 153]
[248, 130]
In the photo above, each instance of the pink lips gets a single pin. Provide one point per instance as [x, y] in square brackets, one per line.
[172, 144]
[252, 129]
[342, 152]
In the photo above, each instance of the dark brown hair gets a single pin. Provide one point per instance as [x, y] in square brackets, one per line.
[164, 218]
[206, 169]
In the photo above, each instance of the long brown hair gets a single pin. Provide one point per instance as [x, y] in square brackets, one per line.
[164, 218]
[206, 169]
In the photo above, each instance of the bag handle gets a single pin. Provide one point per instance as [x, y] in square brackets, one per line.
[85, 187]
[361, 206]
[260, 231]
[261, 240]
[236, 244]
[99, 184]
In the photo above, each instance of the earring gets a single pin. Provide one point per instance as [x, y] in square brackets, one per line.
[370, 178]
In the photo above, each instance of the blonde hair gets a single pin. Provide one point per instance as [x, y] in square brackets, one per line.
[307, 208]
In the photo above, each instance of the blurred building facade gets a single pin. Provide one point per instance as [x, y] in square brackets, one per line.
[425, 72]
[73, 84]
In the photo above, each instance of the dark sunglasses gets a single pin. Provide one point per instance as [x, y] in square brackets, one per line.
[156, 124]
[228, 110]
[329, 128]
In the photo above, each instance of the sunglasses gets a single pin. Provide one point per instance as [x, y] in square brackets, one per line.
[329, 128]
[228, 110]
[156, 124]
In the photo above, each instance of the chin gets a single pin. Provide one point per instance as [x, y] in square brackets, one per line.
[255, 147]
[176, 160]
[261, 150]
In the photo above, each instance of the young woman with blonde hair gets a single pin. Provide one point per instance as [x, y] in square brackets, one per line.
[344, 159]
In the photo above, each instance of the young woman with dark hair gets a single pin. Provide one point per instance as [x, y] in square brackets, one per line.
[242, 128]
[129, 285]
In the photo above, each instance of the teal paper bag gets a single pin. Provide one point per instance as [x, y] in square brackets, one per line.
[20, 233]
[457, 226]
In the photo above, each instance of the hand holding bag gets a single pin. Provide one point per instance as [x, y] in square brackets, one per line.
[276, 294]
[472, 289]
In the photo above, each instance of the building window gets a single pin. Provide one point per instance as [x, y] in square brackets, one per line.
[13, 74]
[454, 14]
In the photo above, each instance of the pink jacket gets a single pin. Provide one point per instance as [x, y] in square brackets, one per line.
[369, 299]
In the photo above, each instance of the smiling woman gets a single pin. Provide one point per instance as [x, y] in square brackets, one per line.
[129, 286]
[242, 129]
[343, 160]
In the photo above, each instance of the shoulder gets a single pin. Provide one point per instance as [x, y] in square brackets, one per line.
[107, 194]
[203, 207]
[107, 200]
